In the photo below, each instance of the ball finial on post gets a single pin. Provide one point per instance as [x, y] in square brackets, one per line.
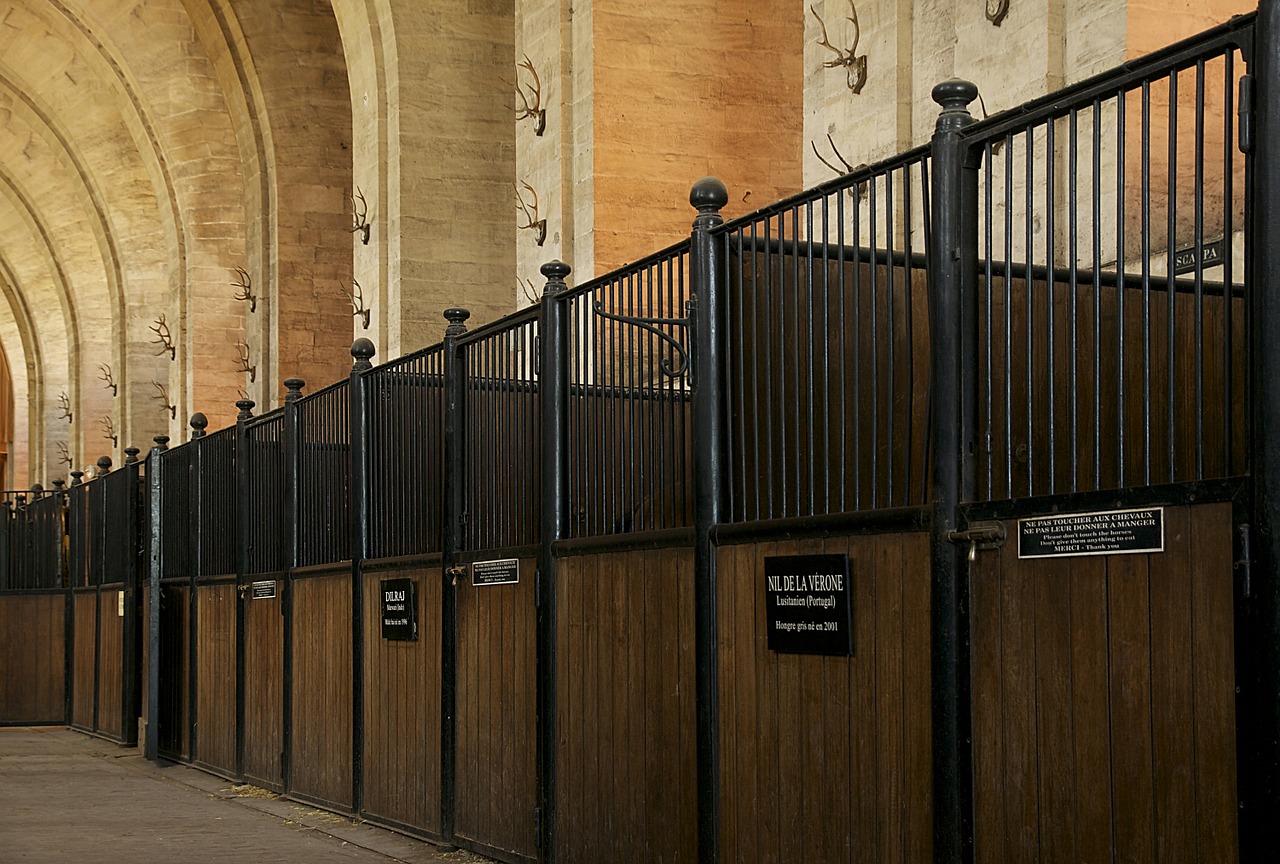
[199, 423]
[362, 350]
[457, 319]
[555, 273]
[293, 389]
[708, 196]
[246, 409]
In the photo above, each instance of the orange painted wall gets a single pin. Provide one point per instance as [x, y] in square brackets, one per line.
[684, 89]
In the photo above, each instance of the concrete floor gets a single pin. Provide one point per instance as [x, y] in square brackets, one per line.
[68, 797]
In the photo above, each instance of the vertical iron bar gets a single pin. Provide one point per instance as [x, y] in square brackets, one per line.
[1258, 651]
[953, 305]
[706, 267]
[1199, 271]
[244, 515]
[293, 559]
[155, 569]
[1171, 243]
[1144, 253]
[362, 351]
[453, 512]
[554, 388]
[1073, 254]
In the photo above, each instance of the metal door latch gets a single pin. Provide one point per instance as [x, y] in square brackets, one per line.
[979, 535]
[455, 571]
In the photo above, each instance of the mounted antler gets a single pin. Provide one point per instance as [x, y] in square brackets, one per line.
[242, 361]
[109, 429]
[360, 216]
[163, 338]
[855, 66]
[64, 454]
[356, 296]
[162, 396]
[108, 378]
[534, 111]
[530, 213]
[859, 189]
[996, 10]
[245, 284]
[64, 402]
[528, 289]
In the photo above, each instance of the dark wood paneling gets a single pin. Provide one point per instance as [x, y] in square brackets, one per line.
[1103, 693]
[827, 758]
[215, 744]
[85, 659]
[496, 743]
[175, 635]
[402, 709]
[111, 669]
[626, 785]
[264, 686]
[321, 760]
[32, 660]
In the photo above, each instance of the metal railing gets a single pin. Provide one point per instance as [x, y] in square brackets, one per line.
[827, 346]
[1112, 289]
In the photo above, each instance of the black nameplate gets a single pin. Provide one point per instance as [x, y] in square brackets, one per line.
[808, 604]
[264, 590]
[502, 572]
[399, 610]
[1106, 532]
[1210, 255]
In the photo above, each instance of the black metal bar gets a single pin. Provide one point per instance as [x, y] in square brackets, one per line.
[243, 531]
[362, 351]
[454, 542]
[1259, 680]
[710, 472]
[553, 364]
[953, 317]
[293, 552]
[198, 539]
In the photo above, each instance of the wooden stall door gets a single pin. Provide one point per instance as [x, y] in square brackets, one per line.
[215, 745]
[1103, 700]
[264, 680]
[84, 691]
[32, 658]
[496, 721]
[174, 697]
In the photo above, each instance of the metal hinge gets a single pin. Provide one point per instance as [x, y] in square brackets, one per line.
[537, 588]
[1245, 113]
[979, 535]
[537, 827]
[537, 355]
[1244, 566]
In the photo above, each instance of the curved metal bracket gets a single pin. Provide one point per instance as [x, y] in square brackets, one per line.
[650, 325]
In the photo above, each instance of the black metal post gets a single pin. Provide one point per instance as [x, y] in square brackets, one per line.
[711, 484]
[1259, 724]
[952, 291]
[454, 536]
[362, 351]
[196, 490]
[98, 492]
[155, 570]
[244, 491]
[132, 590]
[292, 488]
[553, 382]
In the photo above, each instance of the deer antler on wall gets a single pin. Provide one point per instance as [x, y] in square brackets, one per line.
[996, 10]
[360, 216]
[533, 111]
[64, 402]
[64, 455]
[109, 429]
[859, 189]
[164, 338]
[530, 213]
[162, 396]
[528, 289]
[108, 378]
[855, 66]
[242, 361]
[245, 284]
[356, 296]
